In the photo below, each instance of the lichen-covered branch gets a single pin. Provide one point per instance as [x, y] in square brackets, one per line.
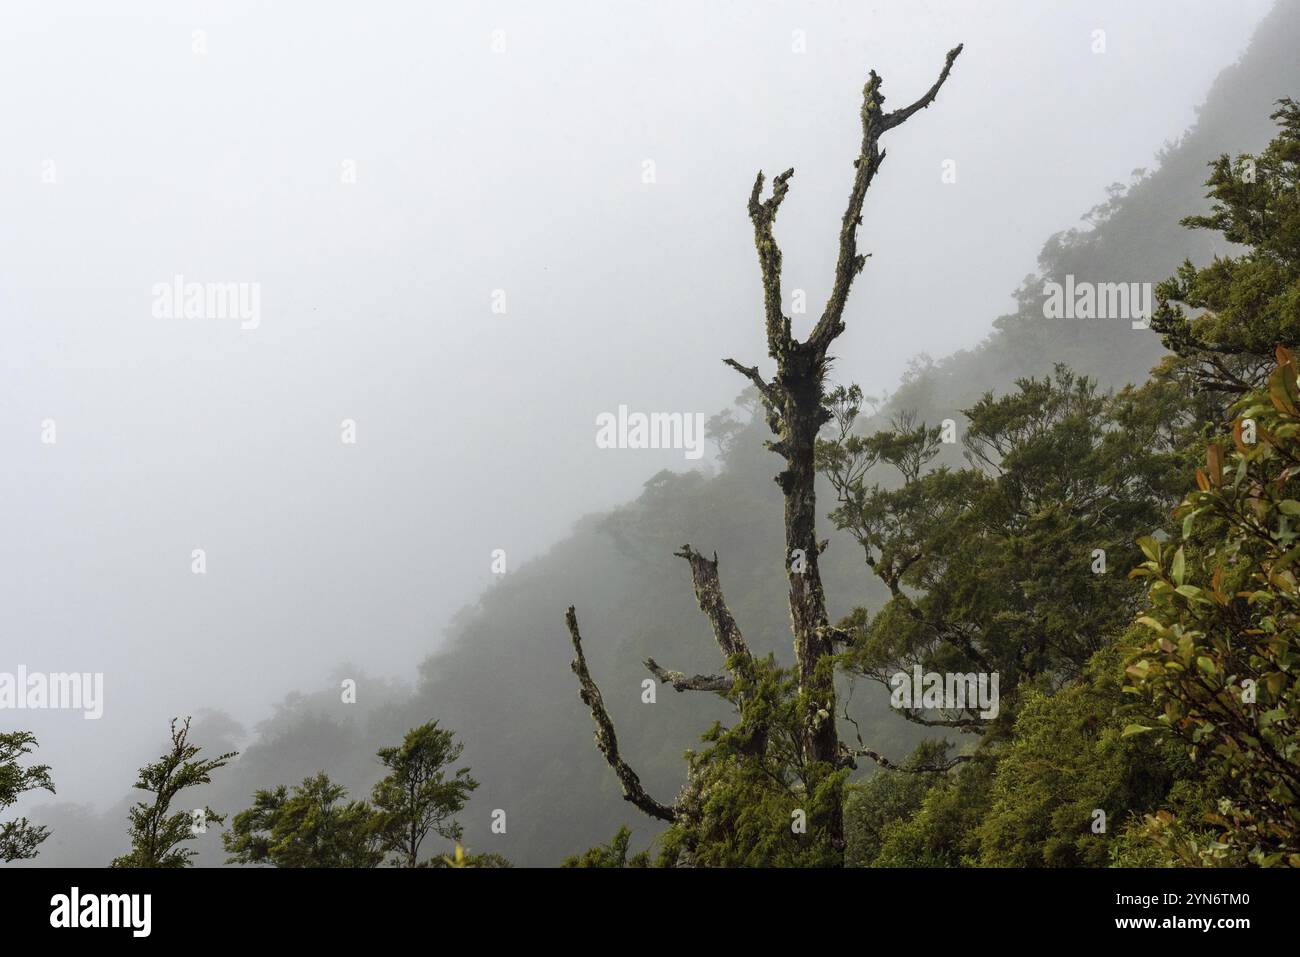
[606, 739]
[899, 117]
[763, 215]
[751, 373]
[679, 681]
[708, 594]
[849, 263]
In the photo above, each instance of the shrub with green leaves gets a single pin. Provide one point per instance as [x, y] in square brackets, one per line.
[751, 799]
[1223, 660]
[19, 839]
[1067, 759]
[314, 825]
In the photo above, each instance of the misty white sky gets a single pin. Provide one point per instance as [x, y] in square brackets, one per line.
[476, 170]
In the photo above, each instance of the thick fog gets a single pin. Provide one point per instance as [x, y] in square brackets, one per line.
[465, 231]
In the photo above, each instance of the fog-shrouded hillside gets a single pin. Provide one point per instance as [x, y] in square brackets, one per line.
[1132, 235]
[502, 681]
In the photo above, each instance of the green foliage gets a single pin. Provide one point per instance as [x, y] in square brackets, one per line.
[613, 854]
[310, 826]
[1069, 756]
[158, 834]
[1249, 303]
[994, 567]
[888, 796]
[1222, 600]
[943, 831]
[1221, 603]
[1223, 656]
[751, 799]
[20, 839]
[417, 796]
[1013, 565]
[462, 859]
[1178, 835]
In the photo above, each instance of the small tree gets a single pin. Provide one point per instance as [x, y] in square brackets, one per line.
[417, 796]
[310, 826]
[157, 833]
[19, 839]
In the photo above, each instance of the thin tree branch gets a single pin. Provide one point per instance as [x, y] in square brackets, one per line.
[606, 739]
[708, 594]
[849, 263]
[899, 117]
[847, 754]
[763, 215]
[968, 725]
[753, 375]
[679, 681]
[851, 753]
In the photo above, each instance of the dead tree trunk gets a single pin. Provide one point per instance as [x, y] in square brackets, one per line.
[796, 413]
[793, 399]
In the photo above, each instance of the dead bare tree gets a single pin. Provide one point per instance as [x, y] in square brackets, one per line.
[795, 412]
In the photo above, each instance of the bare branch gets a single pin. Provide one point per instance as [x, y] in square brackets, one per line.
[763, 215]
[899, 117]
[968, 725]
[606, 739]
[753, 375]
[679, 681]
[847, 754]
[850, 263]
[708, 594]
